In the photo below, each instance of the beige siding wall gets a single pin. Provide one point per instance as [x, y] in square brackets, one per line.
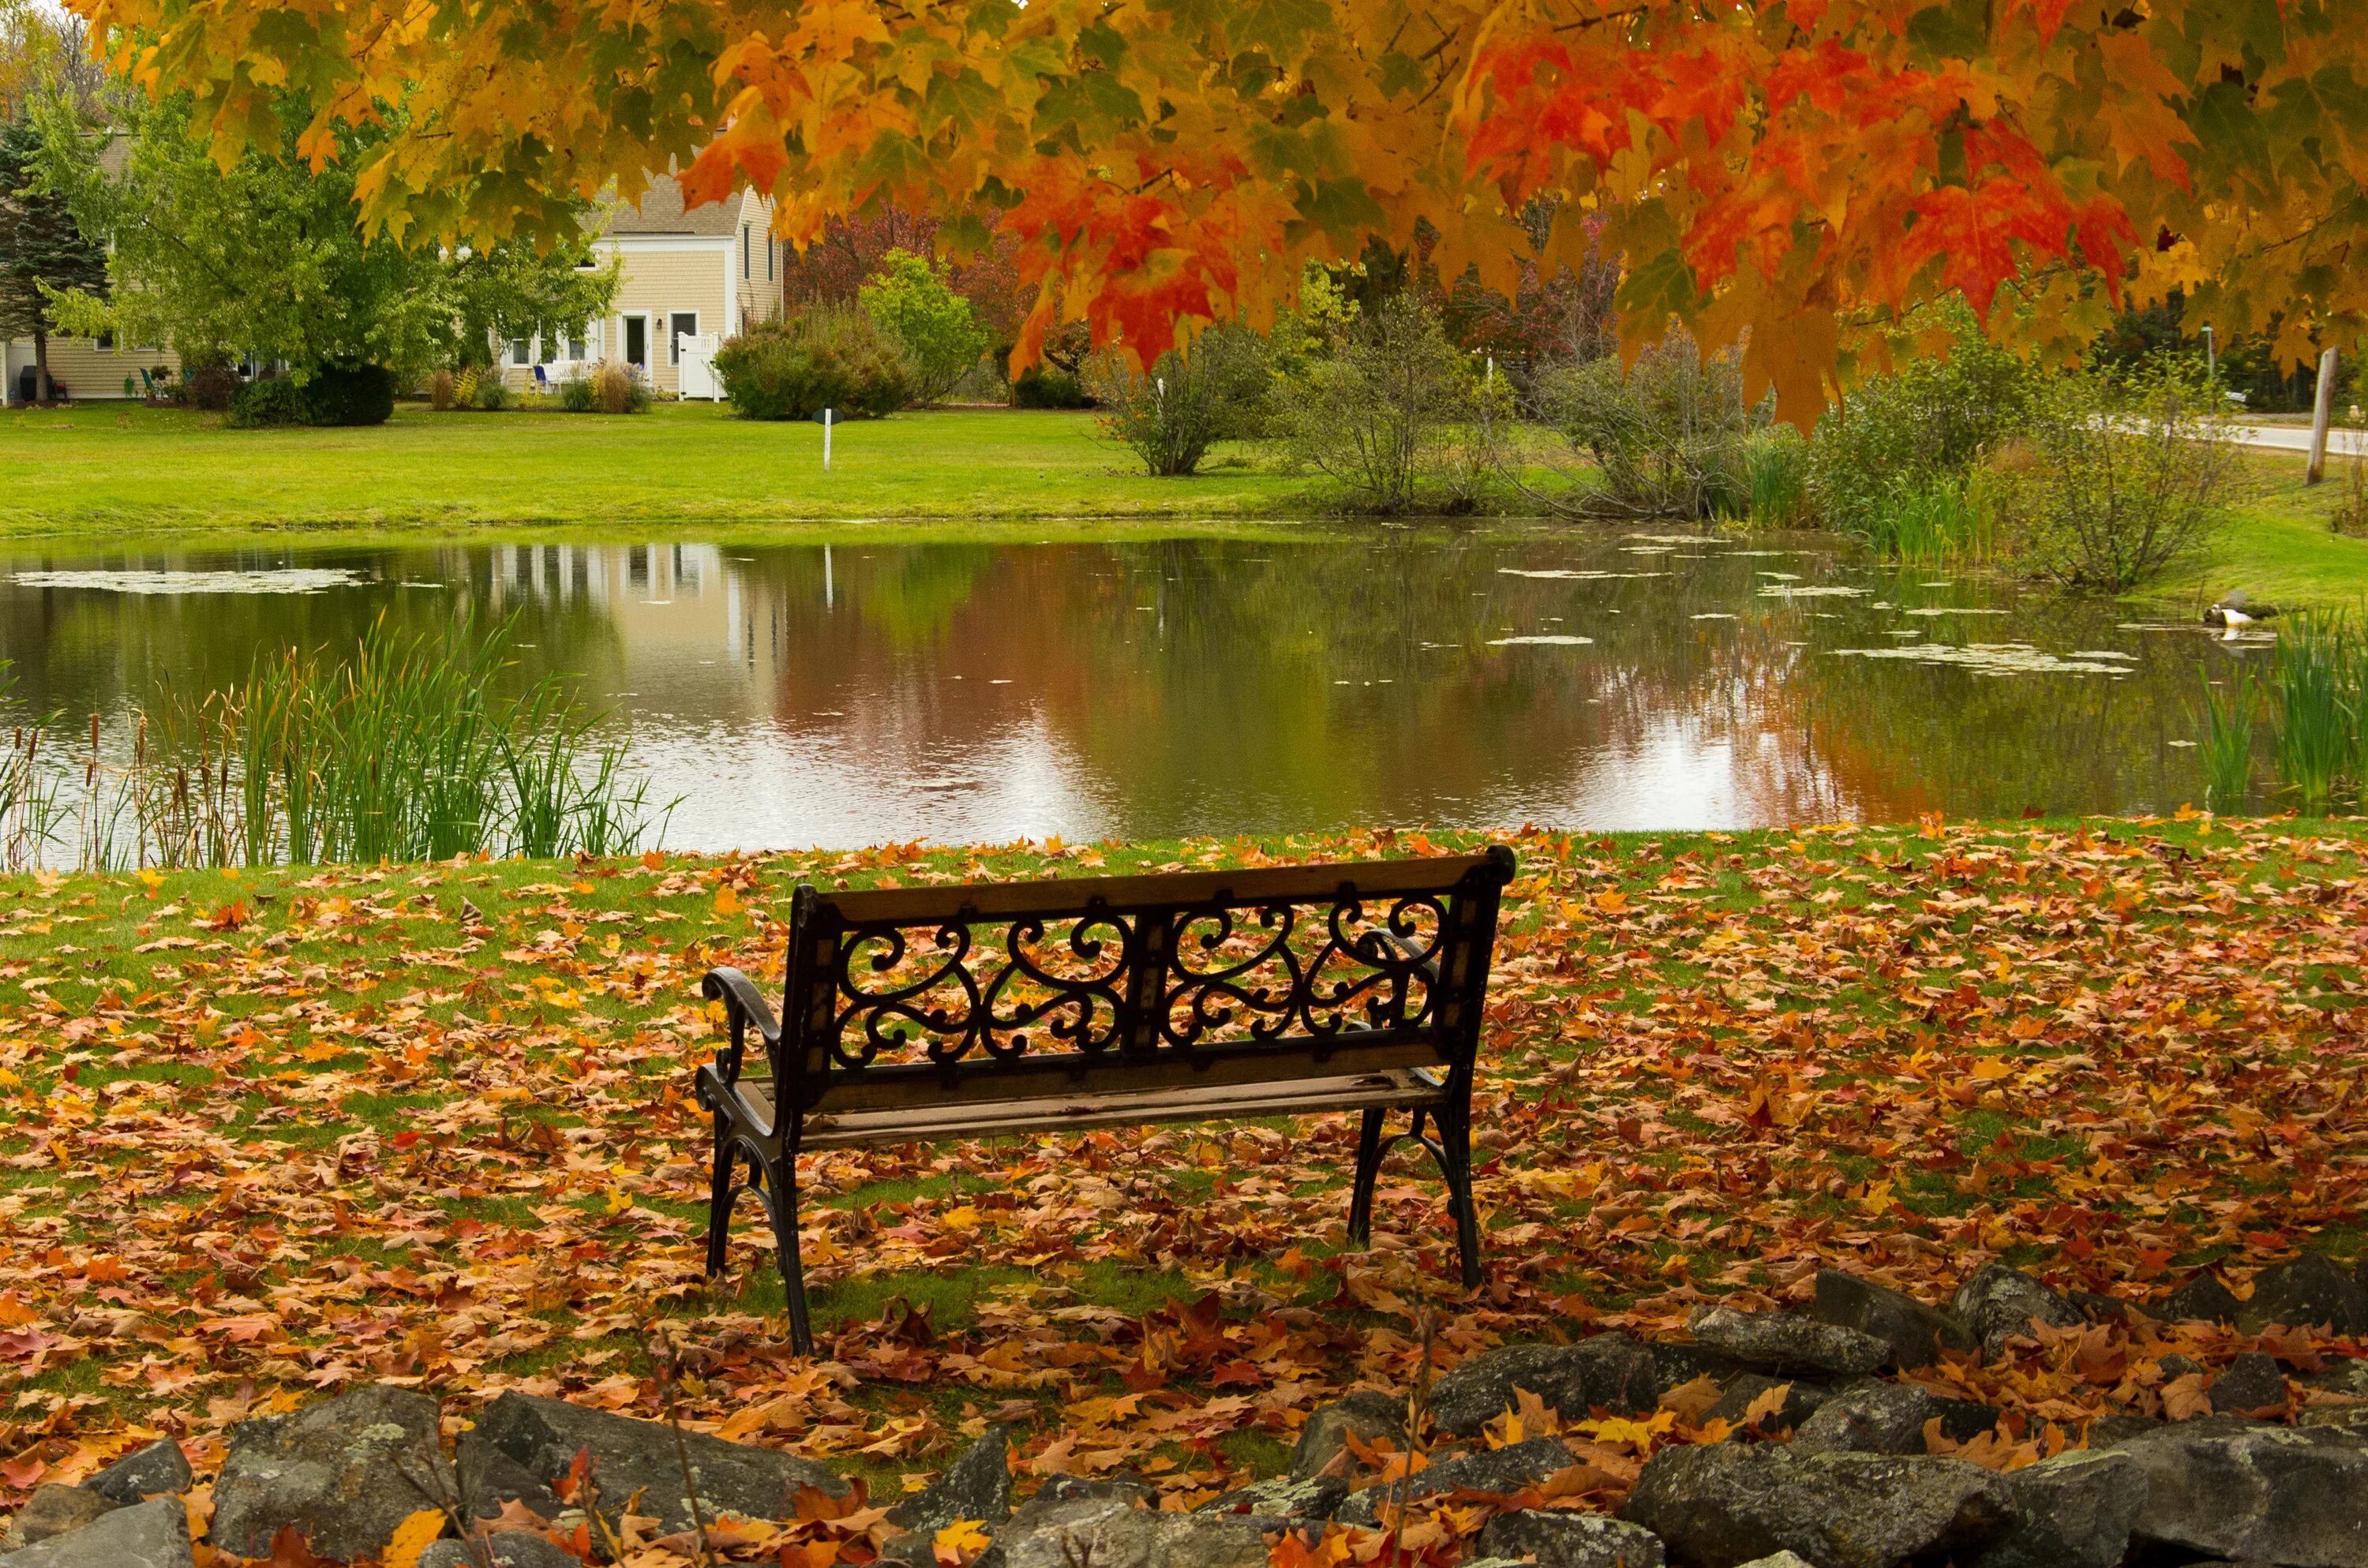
[87, 371]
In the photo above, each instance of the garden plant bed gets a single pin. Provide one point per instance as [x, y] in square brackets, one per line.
[273, 1136]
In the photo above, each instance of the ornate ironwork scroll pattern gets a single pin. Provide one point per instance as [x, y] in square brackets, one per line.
[988, 997]
[1253, 989]
[1235, 974]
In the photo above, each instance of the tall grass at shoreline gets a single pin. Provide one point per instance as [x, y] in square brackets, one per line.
[406, 749]
[2228, 724]
[2321, 673]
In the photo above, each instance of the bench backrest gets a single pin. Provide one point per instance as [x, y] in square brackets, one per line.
[916, 996]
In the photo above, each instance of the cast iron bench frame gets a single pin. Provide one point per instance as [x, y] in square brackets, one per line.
[1382, 1012]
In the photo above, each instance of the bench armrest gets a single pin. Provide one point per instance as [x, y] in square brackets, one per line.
[743, 1006]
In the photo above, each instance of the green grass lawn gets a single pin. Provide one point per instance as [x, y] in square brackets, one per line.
[2279, 547]
[96, 468]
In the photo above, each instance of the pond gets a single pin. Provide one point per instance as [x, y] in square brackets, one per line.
[804, 695]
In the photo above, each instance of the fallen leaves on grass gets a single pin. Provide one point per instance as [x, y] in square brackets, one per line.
[434, 1125]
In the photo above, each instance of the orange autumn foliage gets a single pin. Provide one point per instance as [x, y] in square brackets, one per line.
[1809, 170]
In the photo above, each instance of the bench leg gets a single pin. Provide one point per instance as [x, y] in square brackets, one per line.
[1369, 1169]
[718, 1202]
[782, 1177]
[1455, 1165]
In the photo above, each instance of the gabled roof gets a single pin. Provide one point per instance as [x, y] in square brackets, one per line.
[661, 212]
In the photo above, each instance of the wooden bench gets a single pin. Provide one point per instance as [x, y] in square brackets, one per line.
[974, 1011]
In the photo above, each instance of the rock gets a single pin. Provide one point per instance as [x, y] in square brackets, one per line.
[1781, 1342]
[155, 1534]
[1110, 1532]
[345, 1471]
[1372, 1416]
[1802, 1399]
[2347, 1375]
[2100, 1308]
[1496, 1471]
[1871, 1416]
[1077, 1488]
[511, 1549]
[1571, 1541]
[2312, 1292]
[521, 1443]
[1913, 1333]
[53, 1510]
[2072, 1511]
[2223, 1487]
[1281, 1503]
[1781, 1559]
[1999, 1303]
[2253, 1386]
[143, 1472]
[2202, 1299]
[1727, 1503]
[2177, 1366]
[1609, 1371]
[977, 1485]
[1676, 1363]
[2112, 1431]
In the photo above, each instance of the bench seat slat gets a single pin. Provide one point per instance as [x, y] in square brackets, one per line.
[1397, 1088]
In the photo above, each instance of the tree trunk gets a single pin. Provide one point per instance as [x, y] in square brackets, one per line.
[42, 391]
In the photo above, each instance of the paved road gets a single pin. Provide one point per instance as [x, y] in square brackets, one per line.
[2296, 438]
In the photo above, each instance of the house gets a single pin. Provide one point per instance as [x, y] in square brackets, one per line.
[84, 367]
[684, 274]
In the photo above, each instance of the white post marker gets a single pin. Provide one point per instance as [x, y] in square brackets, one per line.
[2318, 418]
[2211, 357]
[825, 440]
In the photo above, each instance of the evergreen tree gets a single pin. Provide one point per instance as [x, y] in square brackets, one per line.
[41, 246]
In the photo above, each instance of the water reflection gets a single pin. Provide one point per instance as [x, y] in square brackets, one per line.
[798, 695]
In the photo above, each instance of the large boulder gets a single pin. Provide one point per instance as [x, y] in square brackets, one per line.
[1370, 1416]
[1112, 1532]
[1913, 1333]
[53, 1510]
[2072, 1511]
[2313, 1292]
[1570, 1541]
[345, 1471]
[509, 1549]
[1728, 1504]
[1496, 1471]
[2228, 1488]
[1281, 1503]
[1872, 1416]
[1612, 1373]
[1782, 1343]
[2203, 1299]
[977, 1487]
[2251, 1385]
[1802, 1397]
[143, 1472]
[522, 1444]
[155, 1534]
[1999, 1303]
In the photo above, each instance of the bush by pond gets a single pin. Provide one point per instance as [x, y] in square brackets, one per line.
[1394, 412]
[831, 356]
[1189, 399]
[1665, 437]
[332, 395]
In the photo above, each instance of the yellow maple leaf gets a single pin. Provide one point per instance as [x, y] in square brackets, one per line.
[412, 1538]
[727, 900]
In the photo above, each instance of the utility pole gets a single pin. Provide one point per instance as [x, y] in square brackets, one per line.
[2320, 413]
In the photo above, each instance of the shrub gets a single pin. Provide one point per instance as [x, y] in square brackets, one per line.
[274, 401]
[2352, 509]
[1666, 436]
[2121, 479]
[1776, 477]
[350, 394]
[1387, 409]
[939, 332]
[441, 390]
[577, 395]
[1933, 420]
[211, 385]
[823, 356]
[617, 388]
[491, 392]
[1047, 386]
[1188, 401]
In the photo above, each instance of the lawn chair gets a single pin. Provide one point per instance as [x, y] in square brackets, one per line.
[541, 382]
